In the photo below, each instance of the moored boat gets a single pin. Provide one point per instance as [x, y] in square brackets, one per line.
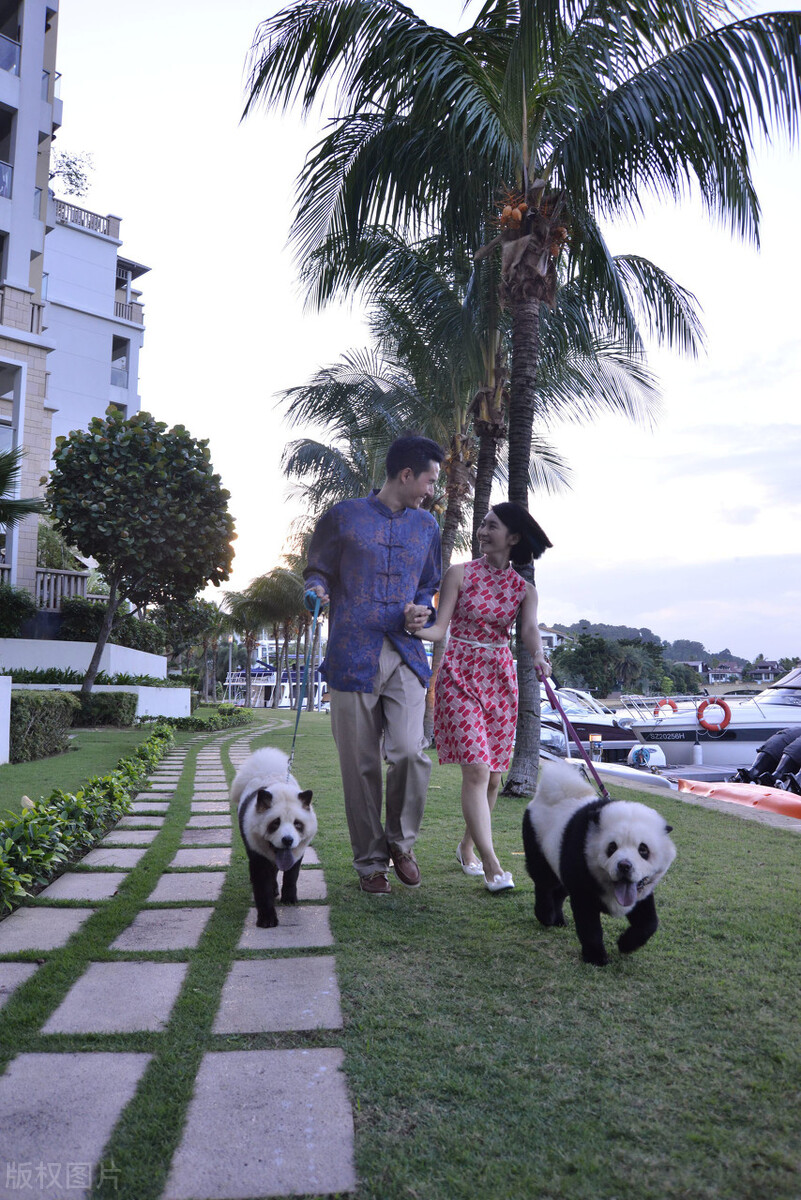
[717, 731]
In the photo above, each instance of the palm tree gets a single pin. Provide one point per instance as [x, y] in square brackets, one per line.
[554, 115]
[13, 510]
[278, 598]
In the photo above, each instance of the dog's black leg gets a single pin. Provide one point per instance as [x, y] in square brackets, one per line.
[590, 934]
[264, 879]
[289, 884]
[643, 925]
[549, 894]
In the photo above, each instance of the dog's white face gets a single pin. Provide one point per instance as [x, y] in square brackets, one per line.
[628, 851]
[281, 822]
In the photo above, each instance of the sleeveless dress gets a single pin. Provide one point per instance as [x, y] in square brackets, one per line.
[475, 704]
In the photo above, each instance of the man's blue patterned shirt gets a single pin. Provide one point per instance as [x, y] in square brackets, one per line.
[372, 562]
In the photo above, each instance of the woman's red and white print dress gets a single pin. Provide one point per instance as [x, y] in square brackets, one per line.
[475, 710]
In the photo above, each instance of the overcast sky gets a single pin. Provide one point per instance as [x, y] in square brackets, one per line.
[690, 529]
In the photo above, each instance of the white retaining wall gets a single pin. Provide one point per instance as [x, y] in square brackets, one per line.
[5, 716]
[150, 701]
[31, 654]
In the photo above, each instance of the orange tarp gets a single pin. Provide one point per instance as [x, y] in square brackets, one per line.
[772, 799]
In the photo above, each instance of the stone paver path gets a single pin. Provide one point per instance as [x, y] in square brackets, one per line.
[260, 1123]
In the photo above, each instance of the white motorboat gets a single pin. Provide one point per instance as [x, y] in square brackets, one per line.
[716, 731]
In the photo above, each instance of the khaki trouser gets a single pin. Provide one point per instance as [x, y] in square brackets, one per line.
[394, 712]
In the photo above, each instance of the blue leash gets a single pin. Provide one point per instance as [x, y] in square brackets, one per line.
[304, 684]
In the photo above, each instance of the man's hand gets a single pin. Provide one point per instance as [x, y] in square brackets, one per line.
[415, 617]
[311, 595]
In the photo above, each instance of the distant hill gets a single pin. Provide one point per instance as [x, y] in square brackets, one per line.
[682, 650]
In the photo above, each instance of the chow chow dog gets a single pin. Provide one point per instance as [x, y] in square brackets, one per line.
[607, 856]
[277, 823]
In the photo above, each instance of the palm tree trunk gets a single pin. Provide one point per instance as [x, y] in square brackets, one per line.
[522, 777]
[485, 473]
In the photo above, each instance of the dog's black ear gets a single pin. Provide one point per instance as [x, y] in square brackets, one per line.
[263, 800]
[595, 816]
[668, 829]
[305, 798]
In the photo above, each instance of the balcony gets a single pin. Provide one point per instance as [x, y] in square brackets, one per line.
[9, 55]
[6, 178]
[129, 312]
[71, 214]
[52, 587]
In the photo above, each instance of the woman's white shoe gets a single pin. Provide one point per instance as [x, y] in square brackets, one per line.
[473, 869]
[500, 883]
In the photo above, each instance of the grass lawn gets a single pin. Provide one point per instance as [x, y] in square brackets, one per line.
[483, 1058]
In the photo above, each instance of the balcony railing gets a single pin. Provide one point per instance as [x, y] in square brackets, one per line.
[9, 55]
[119, 377]
[6, 179]
[37, 203]
[5, 572]
[52, 587]
[71, 214]
[45, 84]
[129, 312]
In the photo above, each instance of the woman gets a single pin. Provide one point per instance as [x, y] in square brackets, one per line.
[475, 710]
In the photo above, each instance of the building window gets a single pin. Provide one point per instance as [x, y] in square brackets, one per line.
[120, 350]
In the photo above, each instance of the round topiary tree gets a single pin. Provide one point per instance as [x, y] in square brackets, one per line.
[143, 500]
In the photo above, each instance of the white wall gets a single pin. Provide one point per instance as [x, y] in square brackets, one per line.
[150, 701]
[5, 716]
[30, 654]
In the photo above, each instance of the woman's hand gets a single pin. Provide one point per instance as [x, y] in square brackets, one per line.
[541, 665]
[415, 617]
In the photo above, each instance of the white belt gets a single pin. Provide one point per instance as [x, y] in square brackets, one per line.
[483, 645]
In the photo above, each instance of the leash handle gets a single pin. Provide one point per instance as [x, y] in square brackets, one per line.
[302, 691]
[551, 694]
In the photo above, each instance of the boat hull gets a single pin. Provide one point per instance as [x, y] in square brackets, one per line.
[735, 747]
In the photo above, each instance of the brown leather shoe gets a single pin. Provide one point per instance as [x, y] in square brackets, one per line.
[376, 884]
[406, 868]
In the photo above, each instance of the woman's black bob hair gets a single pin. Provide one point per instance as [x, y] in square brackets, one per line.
[533, 540]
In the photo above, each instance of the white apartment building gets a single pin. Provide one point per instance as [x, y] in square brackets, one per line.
[71, 319]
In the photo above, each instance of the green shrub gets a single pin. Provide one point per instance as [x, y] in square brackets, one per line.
[16, 606]
[228, 716]
[107, 708]
[34, 843]
[81, 620]
[68, 675]
[40, 724]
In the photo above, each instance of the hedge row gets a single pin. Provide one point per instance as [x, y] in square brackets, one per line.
[40, 724]
[36, 842]
[68, 675]
[228, 716]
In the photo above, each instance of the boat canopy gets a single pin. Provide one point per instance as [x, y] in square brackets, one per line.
[786, 690]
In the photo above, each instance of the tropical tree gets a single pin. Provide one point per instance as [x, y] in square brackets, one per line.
[12, 509]
[143, 500]
[561, 113]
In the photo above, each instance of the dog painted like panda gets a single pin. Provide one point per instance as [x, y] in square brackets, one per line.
[277, 823]
[607, 856]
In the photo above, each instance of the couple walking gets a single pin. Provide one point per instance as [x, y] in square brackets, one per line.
[377, 562]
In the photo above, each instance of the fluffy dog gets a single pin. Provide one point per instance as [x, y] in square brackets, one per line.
[277, 823]
[605, 855]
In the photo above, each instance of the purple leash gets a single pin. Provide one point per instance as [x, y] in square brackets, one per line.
[551, 694]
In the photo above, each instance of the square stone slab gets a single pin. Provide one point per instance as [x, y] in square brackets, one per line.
[113, 857]
[120, 997]
[199, 885]
[206, 837]
[212, 794]
[140, 821]
[279, 994]
[12, 975]
[164, 929]
[298, 926]
[210, 806]
[159, 802]
[40, 928]
[311, 885]
[161, 787]
[212, 821]
[81, 885]
[205, 857]
[130, 837]
[148, 806]
[310, 858]
[57, 1112]
[266, 1123]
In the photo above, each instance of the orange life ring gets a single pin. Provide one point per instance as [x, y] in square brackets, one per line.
[667, 701]
[708, 725]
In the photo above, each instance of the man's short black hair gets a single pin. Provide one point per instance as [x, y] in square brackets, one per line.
[412, 450]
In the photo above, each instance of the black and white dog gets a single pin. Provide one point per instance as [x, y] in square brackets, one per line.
[607, 856]
[277, 823]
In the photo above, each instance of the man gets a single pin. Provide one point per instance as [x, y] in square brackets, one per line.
[377, 561]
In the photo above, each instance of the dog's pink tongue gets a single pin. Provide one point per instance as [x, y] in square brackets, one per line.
[285, 860]
[626, 893]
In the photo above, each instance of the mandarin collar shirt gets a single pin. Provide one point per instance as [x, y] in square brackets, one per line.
[372, 562]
